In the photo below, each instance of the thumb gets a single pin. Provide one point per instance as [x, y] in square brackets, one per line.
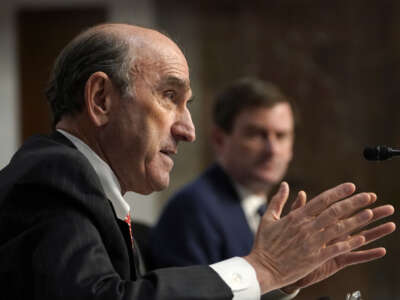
[277, 203]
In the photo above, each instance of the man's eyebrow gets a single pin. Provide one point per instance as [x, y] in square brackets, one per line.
[175, 81]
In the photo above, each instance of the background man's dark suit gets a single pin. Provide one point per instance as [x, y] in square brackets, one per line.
[53, 208]
[207, 222]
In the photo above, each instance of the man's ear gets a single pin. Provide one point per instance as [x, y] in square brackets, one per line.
[217, 138]
[98, 92]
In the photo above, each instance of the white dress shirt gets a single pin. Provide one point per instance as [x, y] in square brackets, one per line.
[236, 272]
[250, 204]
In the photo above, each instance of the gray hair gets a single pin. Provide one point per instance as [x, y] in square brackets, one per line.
[89, 52]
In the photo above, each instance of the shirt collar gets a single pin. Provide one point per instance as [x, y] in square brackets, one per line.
[249, 201]
[108, 180]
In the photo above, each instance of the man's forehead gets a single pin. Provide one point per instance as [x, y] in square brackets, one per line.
[276, 109]
[280, 115]
[166, 70]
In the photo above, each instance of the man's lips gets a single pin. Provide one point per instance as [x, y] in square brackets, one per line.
[269, 164]
[169, 153]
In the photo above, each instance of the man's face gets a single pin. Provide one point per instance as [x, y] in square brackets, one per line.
[146, 129]
[258, 150]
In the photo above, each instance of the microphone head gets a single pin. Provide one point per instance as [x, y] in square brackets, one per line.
[377, 153]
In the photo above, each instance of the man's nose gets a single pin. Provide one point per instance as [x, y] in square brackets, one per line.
[183, 129]
[271, 145]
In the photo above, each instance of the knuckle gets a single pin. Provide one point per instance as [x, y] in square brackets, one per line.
[338, 227]
[334, 212]
[291, 217]
[363, 199]
[326, 201]
[337, 248]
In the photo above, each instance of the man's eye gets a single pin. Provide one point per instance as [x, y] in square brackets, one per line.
[170, 95]
[282, 135]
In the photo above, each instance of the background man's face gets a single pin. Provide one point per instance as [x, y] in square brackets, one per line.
[258, 150]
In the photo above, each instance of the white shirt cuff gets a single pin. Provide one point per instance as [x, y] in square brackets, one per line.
[240, 276]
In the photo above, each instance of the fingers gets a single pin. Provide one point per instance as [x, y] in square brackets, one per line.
[277, 203]
[342, 209]
[358, 257]
[300, 201]
[373, 198]
[325, 199]
[379, 213]
[382, 212]
[342, 247]
[378, 232]
[344, 226]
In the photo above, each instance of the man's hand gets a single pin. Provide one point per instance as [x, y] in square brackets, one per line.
[312, 242]
[355, 257]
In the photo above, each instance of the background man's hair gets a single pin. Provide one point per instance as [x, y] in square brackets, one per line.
[89, 52]
[244, 94]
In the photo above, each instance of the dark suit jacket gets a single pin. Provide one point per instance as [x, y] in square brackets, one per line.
[203, 223]
[60, 239]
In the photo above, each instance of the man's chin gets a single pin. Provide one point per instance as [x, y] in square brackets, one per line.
[152, 184]
[160, 183]
[267, 181]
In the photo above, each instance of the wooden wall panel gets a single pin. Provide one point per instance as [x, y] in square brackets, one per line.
[42, 33]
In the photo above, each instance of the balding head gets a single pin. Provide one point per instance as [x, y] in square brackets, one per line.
[119, 50]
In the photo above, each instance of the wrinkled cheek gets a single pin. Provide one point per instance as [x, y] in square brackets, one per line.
[158, 174]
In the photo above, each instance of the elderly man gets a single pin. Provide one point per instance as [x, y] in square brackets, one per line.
[119, 97]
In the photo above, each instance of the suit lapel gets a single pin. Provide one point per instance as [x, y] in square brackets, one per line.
[134, 256]
[234, 216]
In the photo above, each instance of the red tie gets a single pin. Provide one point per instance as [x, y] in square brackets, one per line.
[128, 221]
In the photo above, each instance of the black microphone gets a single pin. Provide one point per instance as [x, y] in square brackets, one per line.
[380, 152]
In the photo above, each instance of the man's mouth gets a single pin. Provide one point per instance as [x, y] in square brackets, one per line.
[169, 152]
